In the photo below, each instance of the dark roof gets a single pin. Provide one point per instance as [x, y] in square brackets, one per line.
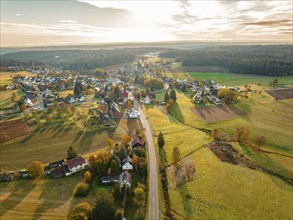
[127, 177]
[105, 179]
[59, 171]
[55, 163]
[75, 162]
[127, 159]
[137, 141]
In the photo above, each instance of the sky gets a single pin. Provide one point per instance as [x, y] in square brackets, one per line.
[61, 22]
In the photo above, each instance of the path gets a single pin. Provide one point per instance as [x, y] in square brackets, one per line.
[153, 175]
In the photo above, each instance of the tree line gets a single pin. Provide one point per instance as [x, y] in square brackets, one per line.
[273, 60]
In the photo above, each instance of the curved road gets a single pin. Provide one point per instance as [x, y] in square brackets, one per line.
[153, 175]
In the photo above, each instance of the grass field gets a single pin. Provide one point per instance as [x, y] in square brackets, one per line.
[50, 141]
[6, 77]
[231, 79]
[221, 190]
[5, 98]
[40, 199]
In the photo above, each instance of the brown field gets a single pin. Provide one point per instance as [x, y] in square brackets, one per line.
[281, 94]
[216, 69]
[15, 129]
[213, 114]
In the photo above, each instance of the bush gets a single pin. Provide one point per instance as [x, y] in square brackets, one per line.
[87, 177]
[82, 211]
[119, 214]
[81, 190]
[104, 207]
[35, 169]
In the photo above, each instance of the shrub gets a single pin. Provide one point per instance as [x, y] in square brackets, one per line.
[81, 190]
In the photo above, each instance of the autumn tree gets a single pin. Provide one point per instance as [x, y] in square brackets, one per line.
[125, 139]
[81, 190]
[215, 134]
[71, 153]
[119, 214]
[139, 195]
[13, 97]
[82, 211]
[87, 177]
[104, 207]
[161, 140]
[35, 169]
[135, 161]
[176, 154]
[260, 140]
[241, 134]
[110, 142]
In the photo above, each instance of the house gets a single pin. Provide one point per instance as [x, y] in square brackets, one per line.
[147, 100]
[81, 99]
[105, 179]
[24, 173]
[124, 95]
[137, 142]
[132, 114]
[69, 99]
[28, 102]
[75, 165]
[127, 163]
[115, 111]
[55, 164]
[6, 178]
[59, 171]
[125, 179]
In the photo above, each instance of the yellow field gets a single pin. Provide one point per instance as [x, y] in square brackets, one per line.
[225, 191]
[40, 198]
[6, 77]
[5, 98]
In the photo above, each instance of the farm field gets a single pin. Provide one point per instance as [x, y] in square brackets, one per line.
[40, 198]
[6, 77]
[203, 197]
[50, 141]
[231, 79]
[5, 98]
[281, 94]
[217, 113]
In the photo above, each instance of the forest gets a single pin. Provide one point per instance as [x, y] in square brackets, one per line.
[79, 59]
[275, 60]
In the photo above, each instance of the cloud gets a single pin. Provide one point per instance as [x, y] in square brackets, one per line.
[271, 23]
[67, 21]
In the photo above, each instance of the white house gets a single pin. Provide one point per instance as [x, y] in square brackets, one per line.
[81, 99]
[147, 100]
[127, 163]
[127, 166]
[132, 113]
[75, 165]
[29, 103]
[125, 179]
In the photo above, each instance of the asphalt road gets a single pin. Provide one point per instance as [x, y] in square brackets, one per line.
[153, 175]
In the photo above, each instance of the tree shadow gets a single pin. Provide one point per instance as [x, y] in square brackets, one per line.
[55, 194]
[184, 193]
[177, 113]
[20, 189]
